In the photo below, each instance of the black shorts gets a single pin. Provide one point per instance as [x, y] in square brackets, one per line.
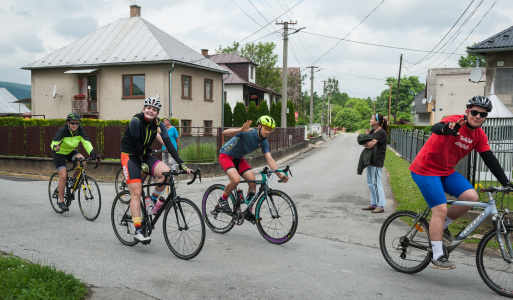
[60, 159]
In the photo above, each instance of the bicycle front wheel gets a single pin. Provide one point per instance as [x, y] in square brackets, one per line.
[122, 219]
[184, 230]
[53, 192]
[120, 182]
[216, 219]
[276, 217]
[405, 243]
[91, 203]
[493, 269]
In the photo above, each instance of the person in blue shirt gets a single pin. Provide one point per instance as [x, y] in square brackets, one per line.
[245, 140]
[174, 136]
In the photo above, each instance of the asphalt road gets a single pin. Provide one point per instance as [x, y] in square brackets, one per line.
[334, 254]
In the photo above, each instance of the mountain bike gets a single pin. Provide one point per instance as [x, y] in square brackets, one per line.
[86, 186]
[406, 246]
[184, 230]
[120, 182]
[275, 212]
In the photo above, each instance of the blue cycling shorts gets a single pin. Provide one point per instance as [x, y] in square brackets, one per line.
[433, 188]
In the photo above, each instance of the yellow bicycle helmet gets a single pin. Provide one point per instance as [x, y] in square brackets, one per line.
[267, 121]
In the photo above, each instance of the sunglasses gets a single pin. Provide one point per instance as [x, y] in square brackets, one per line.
[480, 113]
[74, 123]
[267, 128]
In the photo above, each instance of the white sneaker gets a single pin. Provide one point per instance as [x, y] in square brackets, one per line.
[140, 237]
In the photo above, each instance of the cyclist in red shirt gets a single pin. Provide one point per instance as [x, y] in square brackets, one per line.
[433, 170]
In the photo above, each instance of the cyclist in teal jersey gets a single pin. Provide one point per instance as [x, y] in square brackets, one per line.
[64, 146]
[231, 158]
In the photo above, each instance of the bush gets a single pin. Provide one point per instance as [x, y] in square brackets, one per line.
[228, 116]
[263, 109]
[291, 116]
[239, 115]
[252, 113]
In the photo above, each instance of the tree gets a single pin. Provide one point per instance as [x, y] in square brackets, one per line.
[263, 109]
[252, 113]
[239, 114]
[410, 87]
[470, 60]
[228, 116]
[348, 118]
[294, 82]
[291, 116]
[267, 73]
[276, 113]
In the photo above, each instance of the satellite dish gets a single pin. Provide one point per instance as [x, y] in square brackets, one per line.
[54, 94]
[430, 99]
[476, 74]
[424, 101]
[413, 103]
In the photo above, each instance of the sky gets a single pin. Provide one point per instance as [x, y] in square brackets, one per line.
[359, 43]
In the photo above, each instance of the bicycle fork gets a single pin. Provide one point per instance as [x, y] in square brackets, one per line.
[178, 209]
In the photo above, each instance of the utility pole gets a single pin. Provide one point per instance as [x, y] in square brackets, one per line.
[374, 104]
[284, 72]
[311, 95]
[323, 97]
[329, 110]
[397, 91]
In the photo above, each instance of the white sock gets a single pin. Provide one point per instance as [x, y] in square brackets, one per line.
[447, 222]
[437, 249]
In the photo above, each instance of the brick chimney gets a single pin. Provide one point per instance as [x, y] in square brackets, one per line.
[135, 11]
[204, 52]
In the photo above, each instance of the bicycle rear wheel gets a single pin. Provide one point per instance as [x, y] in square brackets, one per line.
[276, 217]
[215, 219]
[184, 230]
[120, 182]
[91, 203]
[122, 219]
[53, 192]
[405, 245]
[493, 269]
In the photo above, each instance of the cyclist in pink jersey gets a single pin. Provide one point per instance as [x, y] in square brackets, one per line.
[453, 138]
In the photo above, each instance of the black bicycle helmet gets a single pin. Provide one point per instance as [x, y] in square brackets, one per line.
[480, 101]
[73, 116]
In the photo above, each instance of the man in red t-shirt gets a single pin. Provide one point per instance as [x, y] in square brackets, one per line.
[433, 170]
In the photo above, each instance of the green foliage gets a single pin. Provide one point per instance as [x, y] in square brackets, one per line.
[263, 109]
[470, 60]
[291, 116]
[348, 118]
[20, 279]
[409, 88]
[239, 114]
[18, 121]
[252, 113]
[199, 153]
[276, 113]
[228, 115]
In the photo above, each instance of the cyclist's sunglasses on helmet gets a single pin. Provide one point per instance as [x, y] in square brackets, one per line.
[482, 114]
[267, 128]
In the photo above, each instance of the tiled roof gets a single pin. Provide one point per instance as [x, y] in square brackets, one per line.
[125, 41]
[499, 42]
[229, 59]
[7, 106]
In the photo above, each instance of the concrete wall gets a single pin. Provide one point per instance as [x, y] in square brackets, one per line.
[492, 64]
[234, 94]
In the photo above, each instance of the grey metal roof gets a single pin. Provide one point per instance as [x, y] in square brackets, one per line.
[7, 106]
[125, 41]
[502, 41]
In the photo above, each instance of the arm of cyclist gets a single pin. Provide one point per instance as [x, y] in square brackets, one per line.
[272, 164]
[233, 131]
[493, 164]
[450, 128]
[171, 149]
[135, 133]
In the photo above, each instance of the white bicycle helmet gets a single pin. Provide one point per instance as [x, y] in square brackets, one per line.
[151, 101]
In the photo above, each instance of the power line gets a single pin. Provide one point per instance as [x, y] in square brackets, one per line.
[381, 79]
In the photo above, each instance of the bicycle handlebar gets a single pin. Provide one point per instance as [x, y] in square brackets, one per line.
[159, 150]
[195, 173]
[89, 159]
[268, 171]
[492, 189]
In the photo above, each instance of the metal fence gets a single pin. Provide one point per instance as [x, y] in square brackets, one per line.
[196, 144]
[500, 134]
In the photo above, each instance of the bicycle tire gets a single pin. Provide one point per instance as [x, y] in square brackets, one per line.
[276, 217]
[120, 182]
[184, 242]
[53, 193]
[121, 218]
[218, 222]
[495, 272]
[91, 205]
[396, 246]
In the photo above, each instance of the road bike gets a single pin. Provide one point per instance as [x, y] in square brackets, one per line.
[120, 182]
[406, 246]
[85, 186]
[184, 230]
[275, 212]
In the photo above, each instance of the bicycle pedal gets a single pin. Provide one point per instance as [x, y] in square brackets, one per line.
[146, 243]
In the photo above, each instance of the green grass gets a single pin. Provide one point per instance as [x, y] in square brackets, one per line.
[20, 279]
[204, 153]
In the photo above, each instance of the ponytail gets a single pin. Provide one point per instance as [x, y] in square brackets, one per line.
[382, 122]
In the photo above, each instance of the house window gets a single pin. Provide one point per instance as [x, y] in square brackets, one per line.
[186, 86]
[252, 71]
[133, 86]
[208, 89]
[186, 127]
[208, 127]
